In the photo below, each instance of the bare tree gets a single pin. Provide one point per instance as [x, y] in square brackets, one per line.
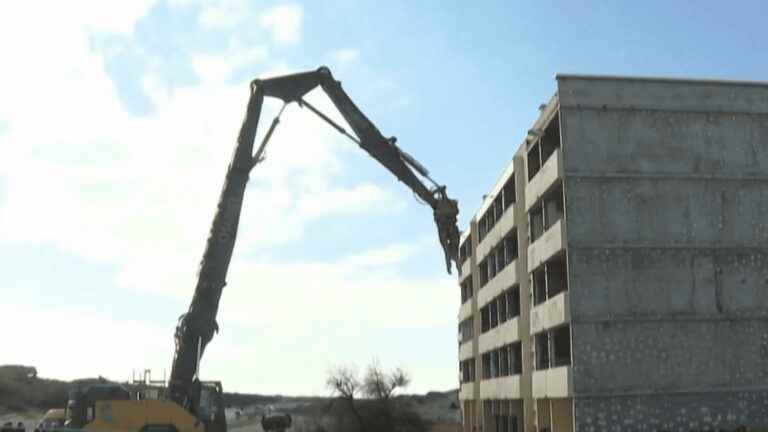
[381, 385]
[343, 382]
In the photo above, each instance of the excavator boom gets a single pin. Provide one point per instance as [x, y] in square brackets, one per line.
[196, 327]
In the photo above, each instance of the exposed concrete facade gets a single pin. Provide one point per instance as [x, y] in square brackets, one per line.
[640, 211]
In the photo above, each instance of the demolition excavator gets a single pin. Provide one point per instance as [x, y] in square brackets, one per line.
[194, 405]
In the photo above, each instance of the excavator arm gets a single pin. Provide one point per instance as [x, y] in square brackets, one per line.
[196, 327]
[292, 88]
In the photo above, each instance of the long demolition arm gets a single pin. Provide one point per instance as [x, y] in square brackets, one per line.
[292, 88]
[196, 328]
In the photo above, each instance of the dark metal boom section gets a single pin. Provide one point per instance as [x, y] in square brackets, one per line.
[196, 328]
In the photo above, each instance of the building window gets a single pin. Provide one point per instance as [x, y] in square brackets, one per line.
[467, 370]
[541, 344]
[551, 139]
[494, 312]
[534, 161]
[561, 346]
[539, 285]
[466, 289]
[492, 269]
[503, 361]
[500, 309]
[553, 348]
[465, 250]
[512, 297]
[544, 147]
[510, 246]
[486, 366]
[550, 279]
[498, 205]
[502, 302]
[546, 212]
[515, 358]
[466, 330]
[485, 320]
[536, 221]
[509, 192]
[483, 273]
[499, 257]
[498, 416]
[553, 207]
[501, 260]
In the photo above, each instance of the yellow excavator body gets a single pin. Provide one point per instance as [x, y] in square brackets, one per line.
[149, 415]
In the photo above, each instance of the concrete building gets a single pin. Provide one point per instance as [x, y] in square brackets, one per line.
[615, 277]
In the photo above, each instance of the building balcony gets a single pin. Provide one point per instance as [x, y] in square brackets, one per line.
[497, 233]
[503, 280]
[465, 350]
[551, 313]
[552, 383]
[465, 310]
[502, 334]
[501, 388]
[551, 242]
[547, 176]
[466, 269]
[467, 391]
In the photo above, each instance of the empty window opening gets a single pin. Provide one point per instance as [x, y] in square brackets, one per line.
[534, 161]
[504, 361]
[515, 358]
[501, 260]
[549, 279]
[539, 285]
[536, 221]
[510, 196]
[494, 312]
[485, 320]
[498, 205]
[561, 346]
[510, 246]
[465, 250]
[557, 280]
[483, 273]
[553, 207]
[467, 370]
[466, 330]
[486, 366]
[466, 289]
[513, 302]
[502, 301]
[551, 139]
[542, 350]
[492, 268]
[491, 218]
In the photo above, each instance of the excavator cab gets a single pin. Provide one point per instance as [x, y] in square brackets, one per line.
[81, 404]
[211, 406]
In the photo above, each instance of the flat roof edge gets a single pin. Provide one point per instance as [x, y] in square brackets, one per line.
[676, 80]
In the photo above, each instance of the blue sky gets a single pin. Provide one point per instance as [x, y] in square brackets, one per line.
[118, 119]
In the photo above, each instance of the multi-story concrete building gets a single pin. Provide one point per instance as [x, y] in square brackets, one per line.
[615, 277]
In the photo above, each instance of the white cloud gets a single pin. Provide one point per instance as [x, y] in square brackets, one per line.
[83, 175]
[283, 23]
[96, 344]
[224, 14]
[344, 57]
[219, 66]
